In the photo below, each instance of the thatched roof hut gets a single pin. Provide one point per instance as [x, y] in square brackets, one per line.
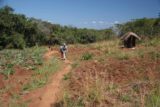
[129, 39]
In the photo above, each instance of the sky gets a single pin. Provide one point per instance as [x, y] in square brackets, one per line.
[96, 14]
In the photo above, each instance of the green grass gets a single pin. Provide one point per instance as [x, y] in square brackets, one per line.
[29, 58]
[151, 42]
[45, 71]
[125, 98]
[153, 99]
[67, 76]
[68, 101]
[87, 56]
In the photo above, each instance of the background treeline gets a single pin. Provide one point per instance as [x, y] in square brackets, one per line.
[19, 31]
[145, 27]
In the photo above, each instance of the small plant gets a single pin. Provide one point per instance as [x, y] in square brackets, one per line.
[75, 64]
[67, 76]
[141, 54]
[111, 87]
[153, 99]
[122, 56]
[69, 102]
[125, 98]
[99, 47]
[87, 56]
[154, 55]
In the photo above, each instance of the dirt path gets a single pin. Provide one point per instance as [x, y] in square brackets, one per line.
[49, 95]
[52, 90]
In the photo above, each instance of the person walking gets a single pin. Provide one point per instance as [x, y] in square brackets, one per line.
[63, 50]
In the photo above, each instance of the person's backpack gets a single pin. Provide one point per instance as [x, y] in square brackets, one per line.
[64, 48]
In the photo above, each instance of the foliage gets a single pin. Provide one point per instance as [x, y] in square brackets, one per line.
[145, 27]
[87, 56]
[153, 99]
[18, 31]
[45, 71]
[27, 58]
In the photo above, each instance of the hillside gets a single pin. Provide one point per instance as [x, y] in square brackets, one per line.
[105, 75]
[101, 74]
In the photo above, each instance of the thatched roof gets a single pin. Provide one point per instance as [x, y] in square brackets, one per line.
[127, 35]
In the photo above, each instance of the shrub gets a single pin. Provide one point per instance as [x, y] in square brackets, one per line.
[70, 40]
[18, 41]
[125, 98]
[87, 56]
[87, 38]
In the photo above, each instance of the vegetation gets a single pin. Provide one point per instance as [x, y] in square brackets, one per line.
[153, 99]
[19, 31]
[87, 56]
[29, 58]
[144, 27]
[115, 77]
[44, 72]
[31, 61]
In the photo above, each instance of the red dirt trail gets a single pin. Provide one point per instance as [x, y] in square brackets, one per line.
[49, 95]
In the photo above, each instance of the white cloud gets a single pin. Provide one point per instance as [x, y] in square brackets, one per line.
[85, 22]
[116, 22]
[101, 22]
[94, 22]
[49, 21]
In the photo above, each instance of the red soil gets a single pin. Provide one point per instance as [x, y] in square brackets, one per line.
[14, 84]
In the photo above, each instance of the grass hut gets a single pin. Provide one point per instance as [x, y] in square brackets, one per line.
[129, 39]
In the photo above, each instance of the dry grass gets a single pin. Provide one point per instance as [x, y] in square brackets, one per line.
[115, 77]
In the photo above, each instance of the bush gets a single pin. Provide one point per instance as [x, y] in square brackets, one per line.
[18, 41]
[87, 56]
[87, 38]
[70, 40]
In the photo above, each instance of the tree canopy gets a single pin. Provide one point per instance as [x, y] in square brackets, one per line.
[19, 31]
[146, 27]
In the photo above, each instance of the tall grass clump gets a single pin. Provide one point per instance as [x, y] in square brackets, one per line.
[151, 42]
[87, 56]
[153, 99]
[155, 55]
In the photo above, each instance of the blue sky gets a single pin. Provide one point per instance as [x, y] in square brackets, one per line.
[98, 14]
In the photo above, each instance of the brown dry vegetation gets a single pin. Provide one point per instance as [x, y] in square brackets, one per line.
[113, 77]
[102, 75]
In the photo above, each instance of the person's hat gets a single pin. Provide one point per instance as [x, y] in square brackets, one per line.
[64, 44]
